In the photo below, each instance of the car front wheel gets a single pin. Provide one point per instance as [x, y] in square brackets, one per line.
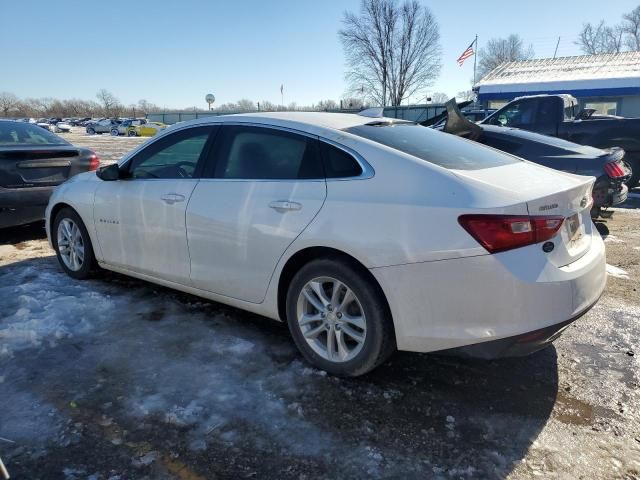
[91, 131]
[115, 132]
[338, 318]
[72, 244]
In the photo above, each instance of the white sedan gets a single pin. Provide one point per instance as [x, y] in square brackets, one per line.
[363, 234]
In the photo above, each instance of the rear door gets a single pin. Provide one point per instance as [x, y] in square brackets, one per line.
[140, 220]
[266, 185]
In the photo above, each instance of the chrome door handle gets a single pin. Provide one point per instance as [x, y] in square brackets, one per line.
[171, 198]
[285, 206]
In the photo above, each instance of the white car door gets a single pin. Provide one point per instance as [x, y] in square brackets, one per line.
[266, 186]
[140, 219]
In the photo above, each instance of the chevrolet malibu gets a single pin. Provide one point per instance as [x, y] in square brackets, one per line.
[364, 234]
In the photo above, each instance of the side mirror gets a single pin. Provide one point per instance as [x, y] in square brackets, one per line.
[109, 172]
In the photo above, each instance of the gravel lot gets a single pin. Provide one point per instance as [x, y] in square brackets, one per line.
[114, 378]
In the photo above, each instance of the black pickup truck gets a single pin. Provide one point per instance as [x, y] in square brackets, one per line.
[560, 116]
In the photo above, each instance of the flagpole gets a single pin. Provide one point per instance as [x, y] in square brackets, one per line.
[475, 58]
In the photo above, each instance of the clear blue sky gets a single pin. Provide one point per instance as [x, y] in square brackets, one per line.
[172, 53]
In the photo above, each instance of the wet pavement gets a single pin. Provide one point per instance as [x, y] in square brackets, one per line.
[115, 378]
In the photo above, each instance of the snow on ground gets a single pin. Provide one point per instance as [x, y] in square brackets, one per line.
[616, 272]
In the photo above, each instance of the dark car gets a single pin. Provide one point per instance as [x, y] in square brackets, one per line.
[33, 161]
[607, 166]
[102, 126]
[560, 116]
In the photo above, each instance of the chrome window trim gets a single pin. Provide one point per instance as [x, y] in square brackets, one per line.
[367, 169]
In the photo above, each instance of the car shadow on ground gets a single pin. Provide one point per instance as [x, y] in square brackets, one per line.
[417, 416]
[22, 233]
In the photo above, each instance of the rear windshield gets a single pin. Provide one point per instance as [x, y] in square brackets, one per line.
[442, 149]
[20, 133]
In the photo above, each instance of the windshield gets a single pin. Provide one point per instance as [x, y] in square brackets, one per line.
[441, 149]
[18, 133]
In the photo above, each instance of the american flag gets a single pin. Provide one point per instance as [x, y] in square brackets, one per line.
[466, 54]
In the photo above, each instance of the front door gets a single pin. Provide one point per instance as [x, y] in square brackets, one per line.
[140, 220]
[266, 186]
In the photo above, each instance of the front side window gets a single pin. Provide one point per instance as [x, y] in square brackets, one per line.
[258, 153]
[174, 156]
[518, 115]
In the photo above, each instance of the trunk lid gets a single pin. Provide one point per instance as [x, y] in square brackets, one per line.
[24, 167]
[546, 192]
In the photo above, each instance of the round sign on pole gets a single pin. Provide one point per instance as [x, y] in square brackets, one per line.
[210, 98]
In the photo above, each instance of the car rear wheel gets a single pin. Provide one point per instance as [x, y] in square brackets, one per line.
[115, 132]
[131, 133]
[338, 318]
[91, 131]
[72, 244]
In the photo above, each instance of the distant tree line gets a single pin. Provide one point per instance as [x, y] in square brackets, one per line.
[107, 105]
[599, 37]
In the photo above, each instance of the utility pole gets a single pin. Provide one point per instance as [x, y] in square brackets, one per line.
[556, 50]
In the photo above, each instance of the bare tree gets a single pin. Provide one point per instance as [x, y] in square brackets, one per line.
[631, 29]
[267, 106]
[353, 102]
[327, 105]
[8, 101]
[600, 38]
[246, 105]
[501, 50]
[439, 97]
[109, 102]
[146, 106]
[392, 49]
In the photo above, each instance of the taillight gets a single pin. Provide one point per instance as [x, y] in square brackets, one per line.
[498, 233]
[614, 169]
[94, 162]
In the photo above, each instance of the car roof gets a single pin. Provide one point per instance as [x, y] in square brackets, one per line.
[312, 122]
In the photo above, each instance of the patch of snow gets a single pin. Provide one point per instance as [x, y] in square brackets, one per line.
[617, 272]
[613, 239]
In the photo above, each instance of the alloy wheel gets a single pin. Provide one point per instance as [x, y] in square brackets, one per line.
[331, 319]
[70, 244]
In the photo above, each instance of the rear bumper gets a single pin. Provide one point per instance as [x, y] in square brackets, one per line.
[461, 302]
[20, 206]
[518, 345]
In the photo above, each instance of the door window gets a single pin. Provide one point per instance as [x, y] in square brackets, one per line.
[174, 156]
[519, 114]
[265, 153]
[338, 163]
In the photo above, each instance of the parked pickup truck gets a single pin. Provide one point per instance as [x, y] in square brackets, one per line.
[560, 116]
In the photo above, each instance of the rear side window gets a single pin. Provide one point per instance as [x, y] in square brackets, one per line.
[439, 148]
[338, 163]
[257, 153]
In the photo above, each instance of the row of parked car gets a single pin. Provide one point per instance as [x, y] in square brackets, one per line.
[130, 127]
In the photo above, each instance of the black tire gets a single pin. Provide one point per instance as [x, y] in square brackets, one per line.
[115, 132]
[91, 131]
[131, 133]
[89, 263]
[379, 341]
